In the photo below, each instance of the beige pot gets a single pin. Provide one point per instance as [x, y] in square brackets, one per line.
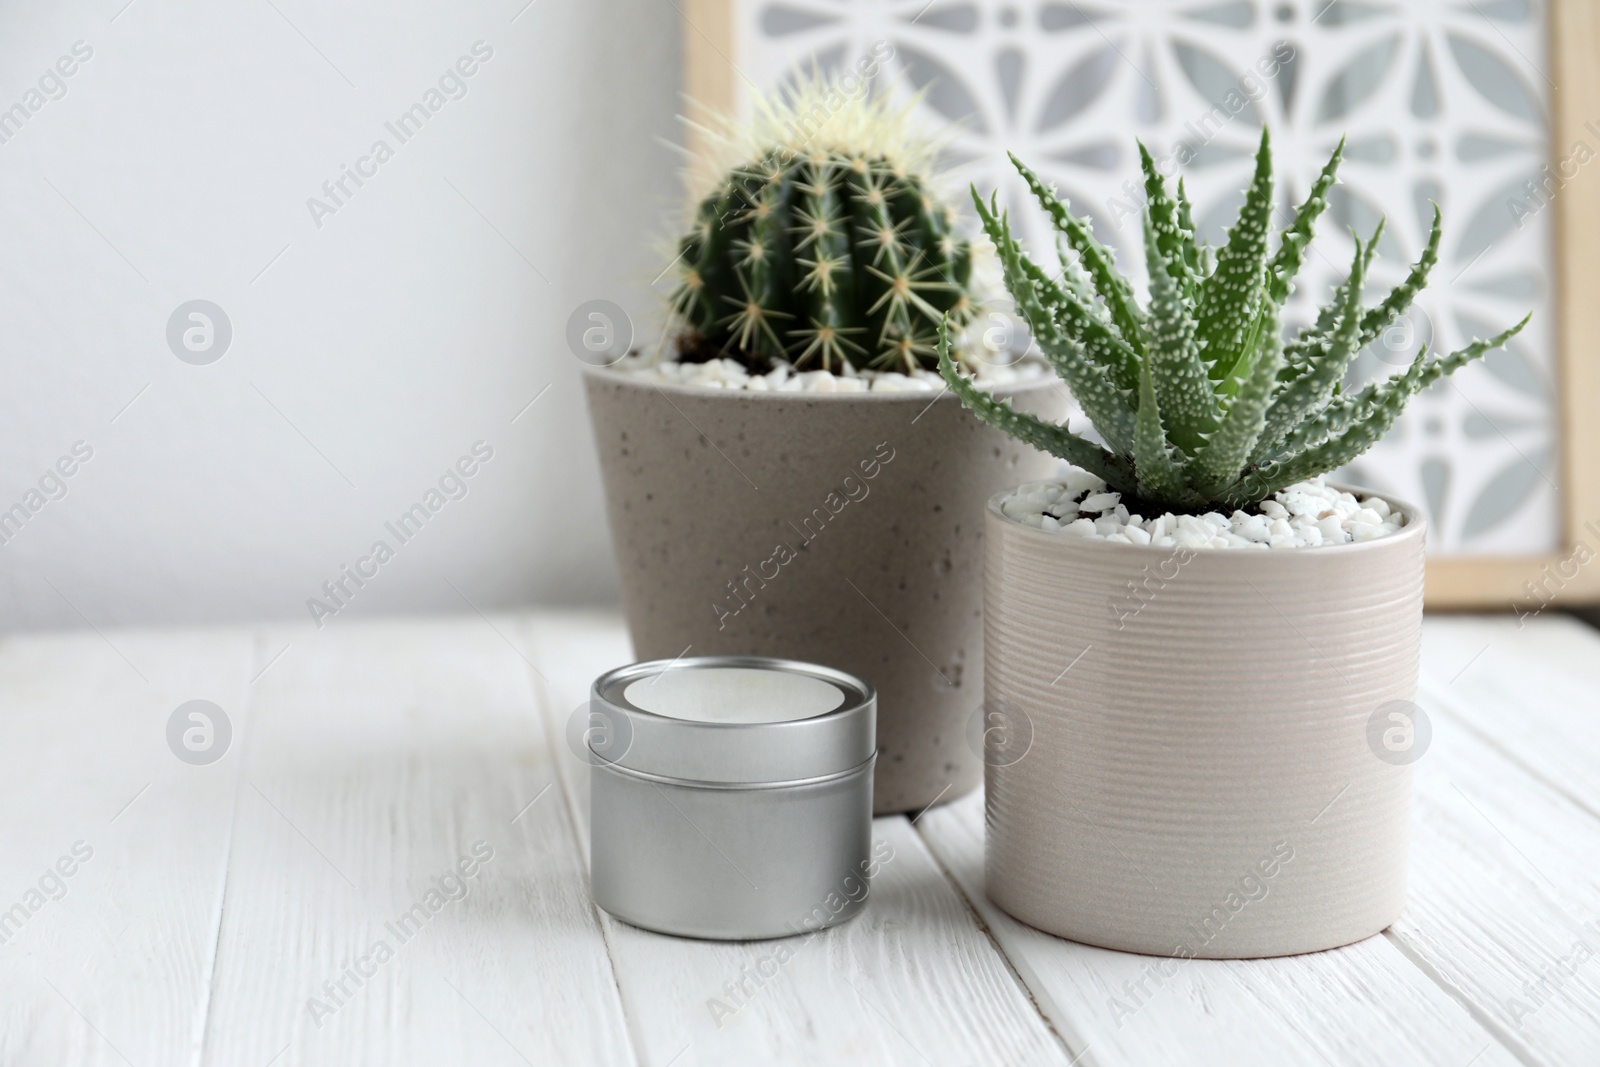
[840, 529]
[1190, 763]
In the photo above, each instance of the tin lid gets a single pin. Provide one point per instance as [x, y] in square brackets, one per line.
[745, 720]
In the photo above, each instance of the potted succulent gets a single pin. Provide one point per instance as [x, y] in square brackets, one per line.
[794, 479]
[1199, 657]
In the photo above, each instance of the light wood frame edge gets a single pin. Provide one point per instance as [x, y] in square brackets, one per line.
[1522, 583]
[710, 71]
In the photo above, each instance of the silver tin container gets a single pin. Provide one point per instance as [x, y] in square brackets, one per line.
[730, 796]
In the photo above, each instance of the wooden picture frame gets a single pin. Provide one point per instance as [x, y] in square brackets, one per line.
[1562, 577]
[1525, 584]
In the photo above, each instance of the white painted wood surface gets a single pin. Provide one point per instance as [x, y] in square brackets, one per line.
[369, 759]
[912, 980]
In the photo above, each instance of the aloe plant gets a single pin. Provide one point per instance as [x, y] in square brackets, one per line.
[1199, 400]
[824, 248]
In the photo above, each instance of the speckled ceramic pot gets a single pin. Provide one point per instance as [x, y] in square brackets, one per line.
[840, 529]
[1205, 751]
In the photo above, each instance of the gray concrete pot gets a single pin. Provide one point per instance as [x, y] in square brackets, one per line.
[840, 529]
[1197, 754]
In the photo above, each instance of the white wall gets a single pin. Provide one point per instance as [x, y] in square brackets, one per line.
[178, 164]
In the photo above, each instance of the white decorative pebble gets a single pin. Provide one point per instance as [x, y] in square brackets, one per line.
[1252, 528]
[899, 383]
[1075, 481]
[730, 374]
[1305, 515]
[1300, 503]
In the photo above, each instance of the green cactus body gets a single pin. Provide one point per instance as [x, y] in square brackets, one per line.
[1201, 402]
[822, 258]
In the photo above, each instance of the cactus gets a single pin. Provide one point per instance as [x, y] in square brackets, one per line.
[825, 245]
[1199, 400]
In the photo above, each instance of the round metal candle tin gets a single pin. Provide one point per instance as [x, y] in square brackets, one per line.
[730, 796]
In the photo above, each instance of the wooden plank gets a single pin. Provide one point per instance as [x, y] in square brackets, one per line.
[1531, 688]
[381, 753]
[1364, 1003]
[1505, 895]
[385, 754]
[913, 979]
[112, 962]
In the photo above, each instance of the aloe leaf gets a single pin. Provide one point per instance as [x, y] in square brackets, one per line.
[1312, 342]
[1292, 246]
[1400, 297]
[1106, 405]
[1337, 428]
[1072, 278]
[1228, 450]
[1188, 403]
[1229, 387]
[1313, 388]
[1192, 256]
[1423, 372]
[1103, 345]
[1374, 421]
[1163, 211]
[1075, 316]
[1399, 300]
[1032, 430]
[1097, 260]
[1229, 298]
[1160, 476]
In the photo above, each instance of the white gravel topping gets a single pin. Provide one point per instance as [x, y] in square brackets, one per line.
[1304, 515]
[729, 374]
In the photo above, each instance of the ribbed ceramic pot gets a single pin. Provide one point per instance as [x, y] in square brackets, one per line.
[840, 529]
[1192, 766]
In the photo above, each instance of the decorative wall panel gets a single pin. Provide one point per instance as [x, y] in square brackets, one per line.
[1440, 102]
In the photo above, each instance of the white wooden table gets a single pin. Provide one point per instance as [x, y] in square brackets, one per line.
[229, 913]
